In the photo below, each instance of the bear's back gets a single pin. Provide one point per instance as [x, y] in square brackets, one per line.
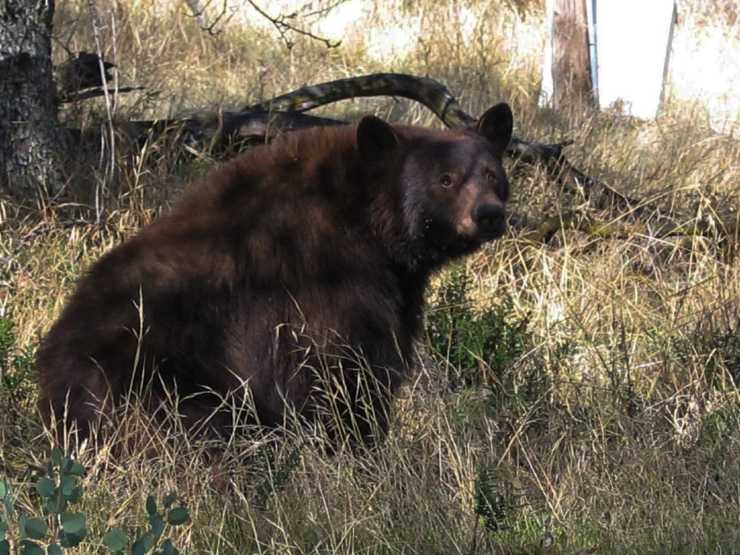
[268, 254]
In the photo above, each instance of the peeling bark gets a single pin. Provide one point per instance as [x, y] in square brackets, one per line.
[29, 137]
[571, 61]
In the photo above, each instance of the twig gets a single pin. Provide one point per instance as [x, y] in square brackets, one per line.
[94, 93]
[199, 13]
[283, 27]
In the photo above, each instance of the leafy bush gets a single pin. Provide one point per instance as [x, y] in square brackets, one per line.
[59, 487]
[478, 346]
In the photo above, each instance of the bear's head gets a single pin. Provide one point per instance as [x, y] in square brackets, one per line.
[452, 184]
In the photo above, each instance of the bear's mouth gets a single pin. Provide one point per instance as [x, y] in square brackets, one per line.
[492, 232]
[464, 245]
[475, 240]
[477, 233]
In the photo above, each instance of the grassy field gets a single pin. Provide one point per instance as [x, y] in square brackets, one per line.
[576, 395]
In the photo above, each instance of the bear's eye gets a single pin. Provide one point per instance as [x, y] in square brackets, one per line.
[491, 177]
[445, 180]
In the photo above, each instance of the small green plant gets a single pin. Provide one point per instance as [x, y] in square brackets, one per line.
[117, 541]
[479, 345]
[16, 365]
[8, 512]
[7, 340]
[716, 427]
[493, 503]
[278, 474]
[59, 488]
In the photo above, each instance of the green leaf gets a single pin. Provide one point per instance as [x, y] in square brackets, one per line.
[54, 549]
[4, 489]
[151, 505]
[143, 544]
[3, 530]
[71, 540]
[168, 548]
[4, 547]
[68, 484]
[178, 515]
[76, 470]
[169, 499]
[57, 457]
[45, 487]
[116, 540]
[76, 494]
[33, 528]
[55, 505]
[73, 523]
[30, 548]
[156, 524]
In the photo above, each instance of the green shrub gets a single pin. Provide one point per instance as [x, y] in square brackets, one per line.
[59, 488]
[478, 346]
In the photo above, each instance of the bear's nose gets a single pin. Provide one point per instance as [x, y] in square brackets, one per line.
[491, 218]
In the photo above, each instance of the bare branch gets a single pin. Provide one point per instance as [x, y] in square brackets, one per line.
[229, 131]
[435, 96]
[432, 94]
[283, 27]
[199, 13]
[95, 93]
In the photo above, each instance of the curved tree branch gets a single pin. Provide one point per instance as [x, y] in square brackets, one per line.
[228, 132]
[438, 98]
[432, 94]
[261, 122]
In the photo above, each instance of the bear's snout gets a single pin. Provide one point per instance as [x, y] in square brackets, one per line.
[490, 217]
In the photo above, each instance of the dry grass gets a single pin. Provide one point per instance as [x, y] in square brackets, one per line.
[612, 426]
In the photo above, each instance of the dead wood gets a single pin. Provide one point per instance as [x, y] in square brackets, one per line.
[260, 122]
[227, 132]
[435, 96]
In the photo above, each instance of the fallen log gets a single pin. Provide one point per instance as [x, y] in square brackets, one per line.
[225, 133]
[261, 122]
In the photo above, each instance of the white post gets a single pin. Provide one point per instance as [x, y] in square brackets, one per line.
[633, 40]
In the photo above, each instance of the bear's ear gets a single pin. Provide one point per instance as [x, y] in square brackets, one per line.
[375, 138]
[497, 125]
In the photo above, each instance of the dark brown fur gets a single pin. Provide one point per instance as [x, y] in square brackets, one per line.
[296, 251]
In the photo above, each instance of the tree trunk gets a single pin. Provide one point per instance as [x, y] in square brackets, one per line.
[29, 136]
[571, 62]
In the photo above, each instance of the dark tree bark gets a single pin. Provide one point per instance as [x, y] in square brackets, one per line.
[571, 61]
[29, 136]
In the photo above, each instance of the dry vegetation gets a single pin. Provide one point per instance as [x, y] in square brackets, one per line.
[576, 396]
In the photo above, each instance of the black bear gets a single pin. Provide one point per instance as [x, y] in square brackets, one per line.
[315, 248]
